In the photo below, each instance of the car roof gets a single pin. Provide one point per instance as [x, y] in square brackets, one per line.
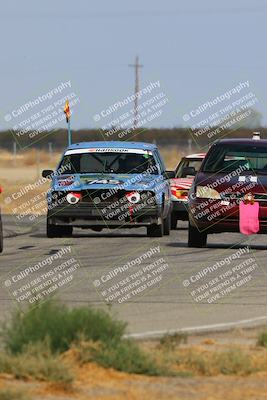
[113, 144]
[197, 155]
[252, 142]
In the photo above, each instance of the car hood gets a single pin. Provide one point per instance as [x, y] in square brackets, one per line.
[105, 181]
[181, 183]
[244, 182]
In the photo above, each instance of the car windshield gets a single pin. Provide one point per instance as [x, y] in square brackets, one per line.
[229, 158]
[109, 162]
[188, 168]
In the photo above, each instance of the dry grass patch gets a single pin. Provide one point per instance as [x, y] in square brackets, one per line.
[36, 361]
[13, 394]
[232, 360]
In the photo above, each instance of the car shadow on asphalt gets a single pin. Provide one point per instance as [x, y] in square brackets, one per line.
[236, 246]
[183, 245]
[218, 246]
[108, 235]
[95, 235]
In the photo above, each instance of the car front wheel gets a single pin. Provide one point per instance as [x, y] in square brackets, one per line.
[196, 238]
[173, 222]
[155, 230]
[167, 224]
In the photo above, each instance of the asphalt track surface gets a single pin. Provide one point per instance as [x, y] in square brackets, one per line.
[165, 306]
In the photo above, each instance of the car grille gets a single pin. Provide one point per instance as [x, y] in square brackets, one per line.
[102, 197]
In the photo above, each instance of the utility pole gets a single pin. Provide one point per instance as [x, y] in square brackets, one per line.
[15, 153]
[37, 163]
[50, 150]
[137, 66]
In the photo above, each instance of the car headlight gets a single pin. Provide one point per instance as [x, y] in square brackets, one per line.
[73, 198]
[181, 194]
[205, 192]
[133, 197]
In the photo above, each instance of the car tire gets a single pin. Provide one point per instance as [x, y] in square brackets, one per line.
[173, 222]
[155, 230]
[167, 224]
[196, 238]
[54, 231]
[1, 236]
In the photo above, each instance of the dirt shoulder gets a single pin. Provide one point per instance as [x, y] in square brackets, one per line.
[199, 381]
[96, 383]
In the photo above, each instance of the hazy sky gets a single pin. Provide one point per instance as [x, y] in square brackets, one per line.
[196, 49]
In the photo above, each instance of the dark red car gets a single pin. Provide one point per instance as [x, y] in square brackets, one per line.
[232, 169]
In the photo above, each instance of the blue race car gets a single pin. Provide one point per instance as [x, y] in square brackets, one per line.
[109, 185]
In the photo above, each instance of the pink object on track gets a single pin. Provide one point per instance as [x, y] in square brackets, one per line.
[249, 218]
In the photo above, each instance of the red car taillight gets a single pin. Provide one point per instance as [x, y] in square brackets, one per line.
[181, 194]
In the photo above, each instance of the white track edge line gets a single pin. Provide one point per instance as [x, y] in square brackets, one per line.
[194, 328]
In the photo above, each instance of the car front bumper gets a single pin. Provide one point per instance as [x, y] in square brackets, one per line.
[224, 221]
[84, 215]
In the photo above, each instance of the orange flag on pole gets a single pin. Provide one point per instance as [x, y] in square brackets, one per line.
[67, 110]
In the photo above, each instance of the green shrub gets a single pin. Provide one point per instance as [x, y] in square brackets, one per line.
[61, 326]
[234, 362]
[230, 362]
[125, 356]
[262, 339]
[38, 336]
[171, 341]
[196, 362]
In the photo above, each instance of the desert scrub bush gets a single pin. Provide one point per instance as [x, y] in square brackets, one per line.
[61, 326]
[262, 339]
[13, 394]
[228, 362]
[170, 341]
[124, 355]
[38, 362]
[234, 362]
[61, 329]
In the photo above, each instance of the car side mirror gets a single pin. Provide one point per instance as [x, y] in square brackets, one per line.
[188, 171]
[169, 174]
[47, 173]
